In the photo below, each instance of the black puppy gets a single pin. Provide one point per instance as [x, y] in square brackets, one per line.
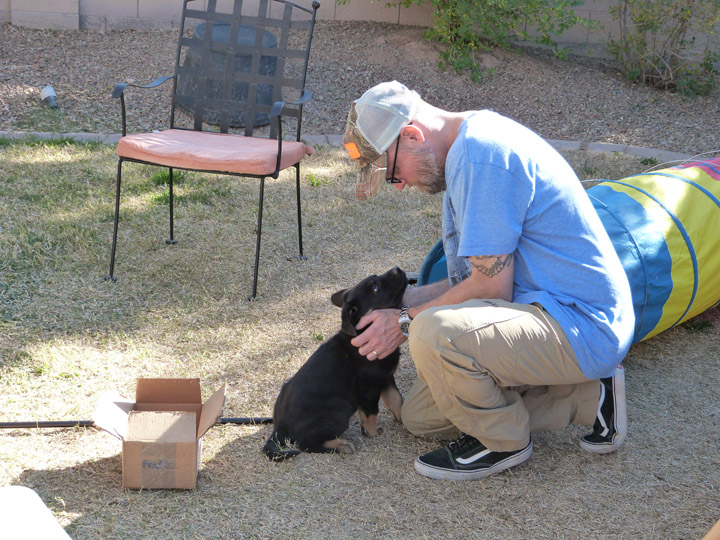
[315, 405]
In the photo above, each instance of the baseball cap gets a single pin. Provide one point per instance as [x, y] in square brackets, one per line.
[374, 122]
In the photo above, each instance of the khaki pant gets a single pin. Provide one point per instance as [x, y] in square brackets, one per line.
[497, 371]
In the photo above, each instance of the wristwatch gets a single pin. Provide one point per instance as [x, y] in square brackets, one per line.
[404, 321]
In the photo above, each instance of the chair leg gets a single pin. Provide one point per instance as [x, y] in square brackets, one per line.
[297, 184]
[171, 240]
[259, 233]
[110, 276]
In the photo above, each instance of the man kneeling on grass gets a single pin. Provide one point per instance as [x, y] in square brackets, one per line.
[537, 306]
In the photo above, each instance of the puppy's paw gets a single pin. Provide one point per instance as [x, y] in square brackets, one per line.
[368, 433]
[368, 424]
[340, 446]
[346, 447]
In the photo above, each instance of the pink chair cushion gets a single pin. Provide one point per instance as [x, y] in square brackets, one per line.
[205, 151]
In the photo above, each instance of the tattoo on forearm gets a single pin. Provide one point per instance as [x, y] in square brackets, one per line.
[491, 265]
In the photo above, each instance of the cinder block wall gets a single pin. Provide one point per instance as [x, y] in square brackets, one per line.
[4, 11]
[145, 14]
[59, 14]
[149, 14]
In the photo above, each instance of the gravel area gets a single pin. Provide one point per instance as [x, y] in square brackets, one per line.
[577, 99]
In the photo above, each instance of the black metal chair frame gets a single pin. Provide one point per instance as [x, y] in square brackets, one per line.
[199, 103]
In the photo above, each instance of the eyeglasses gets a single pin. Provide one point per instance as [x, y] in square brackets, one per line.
[392, 179]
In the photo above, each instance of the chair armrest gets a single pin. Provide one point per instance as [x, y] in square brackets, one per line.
[119, 92]
[306, 95]
[276, 112]
[277, 108]
[279, 105]
[120, 87]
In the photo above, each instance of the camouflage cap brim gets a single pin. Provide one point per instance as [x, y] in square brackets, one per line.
[375, 120]
[357, 146]
[370, 179]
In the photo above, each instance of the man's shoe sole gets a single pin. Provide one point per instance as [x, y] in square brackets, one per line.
[620, 419]
[438, 473]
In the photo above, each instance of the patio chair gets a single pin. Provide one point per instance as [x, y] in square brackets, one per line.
[240, 71]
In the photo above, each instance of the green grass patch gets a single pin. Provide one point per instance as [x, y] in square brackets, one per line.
[46, 119]
[51, 142]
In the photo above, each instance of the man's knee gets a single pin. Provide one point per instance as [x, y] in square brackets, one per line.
[427, 321]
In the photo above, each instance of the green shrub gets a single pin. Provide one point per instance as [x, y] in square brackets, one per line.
[657, 47]
[469, 26]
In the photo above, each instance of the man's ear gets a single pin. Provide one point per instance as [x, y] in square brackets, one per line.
[338, 297]
[413, 133]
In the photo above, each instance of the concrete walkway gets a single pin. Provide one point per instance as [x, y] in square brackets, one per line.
[662, 156]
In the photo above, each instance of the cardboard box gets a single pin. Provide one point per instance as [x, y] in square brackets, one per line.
[161, 431]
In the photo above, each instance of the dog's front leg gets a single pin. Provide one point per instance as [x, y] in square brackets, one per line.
[368, 424]
[392, 399]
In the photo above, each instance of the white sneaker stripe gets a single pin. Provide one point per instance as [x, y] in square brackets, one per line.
[605, 430]
[465, 461]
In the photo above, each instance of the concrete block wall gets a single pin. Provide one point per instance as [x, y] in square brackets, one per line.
[375, 10]
[5, 11]
[598, 11]
[129, 14]
[57, 14]
[150, 14]
[139, 14]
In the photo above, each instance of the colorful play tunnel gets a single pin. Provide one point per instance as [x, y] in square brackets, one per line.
[665, 226]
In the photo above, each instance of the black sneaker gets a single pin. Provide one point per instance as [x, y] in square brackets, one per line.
[610, 425]
[468, 459]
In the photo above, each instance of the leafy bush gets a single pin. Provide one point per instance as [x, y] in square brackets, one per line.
[656, 44]
[469, 26]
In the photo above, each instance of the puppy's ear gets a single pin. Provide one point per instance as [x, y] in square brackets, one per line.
[337, 298]
[350, 317]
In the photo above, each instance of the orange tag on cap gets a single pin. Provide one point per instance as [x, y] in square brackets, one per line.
[352, 150]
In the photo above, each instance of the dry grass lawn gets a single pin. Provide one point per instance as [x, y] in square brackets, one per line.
[182, 311]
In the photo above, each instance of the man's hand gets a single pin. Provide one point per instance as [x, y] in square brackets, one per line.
[382, 335]
[491, 277]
